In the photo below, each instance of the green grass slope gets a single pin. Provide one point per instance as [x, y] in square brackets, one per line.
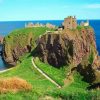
[25, 70]
[56, 74]
[42, 87]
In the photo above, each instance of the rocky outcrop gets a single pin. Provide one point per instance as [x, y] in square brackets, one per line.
[16, 46]
[70, 47]
[20, 41]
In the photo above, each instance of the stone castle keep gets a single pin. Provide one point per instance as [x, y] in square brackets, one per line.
[70, 22]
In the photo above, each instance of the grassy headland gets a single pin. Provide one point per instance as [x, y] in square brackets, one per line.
[41, 87]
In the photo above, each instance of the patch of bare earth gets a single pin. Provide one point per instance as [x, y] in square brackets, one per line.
[14, 84]
[68, 80]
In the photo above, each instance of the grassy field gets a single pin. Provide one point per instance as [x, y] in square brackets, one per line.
[56, 74]
[26, 71]
[76, 90]
[41, 87]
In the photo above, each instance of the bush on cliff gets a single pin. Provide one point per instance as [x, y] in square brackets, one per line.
[14, 84]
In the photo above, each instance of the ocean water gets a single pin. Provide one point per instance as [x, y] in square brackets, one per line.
[7, 27]
[3, 65]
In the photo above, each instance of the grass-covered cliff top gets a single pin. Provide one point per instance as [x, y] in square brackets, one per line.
[25, 34]
[22, 36]
[79, 27]
[36, 31]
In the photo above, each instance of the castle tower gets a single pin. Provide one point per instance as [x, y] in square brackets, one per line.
[70, 22]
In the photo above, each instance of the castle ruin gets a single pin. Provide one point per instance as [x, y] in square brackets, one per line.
[70, 22]
[84, 23]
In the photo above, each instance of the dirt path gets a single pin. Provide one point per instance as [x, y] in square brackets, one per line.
[45, 75]
[6, 70]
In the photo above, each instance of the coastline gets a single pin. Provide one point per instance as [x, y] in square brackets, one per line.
[3, 65]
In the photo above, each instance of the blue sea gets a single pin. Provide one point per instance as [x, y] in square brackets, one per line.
[7, 27]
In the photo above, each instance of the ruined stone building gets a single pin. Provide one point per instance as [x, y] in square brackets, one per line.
[70, 22]
[84, 23]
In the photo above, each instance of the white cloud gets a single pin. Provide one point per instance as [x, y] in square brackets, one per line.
[94, 6]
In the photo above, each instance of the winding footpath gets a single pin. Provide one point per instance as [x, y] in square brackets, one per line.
[2, 71]
[45, 75]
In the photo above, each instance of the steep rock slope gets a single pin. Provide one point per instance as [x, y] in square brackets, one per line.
[71, 47]
[19, 42]
[15, 47]
[67, 46]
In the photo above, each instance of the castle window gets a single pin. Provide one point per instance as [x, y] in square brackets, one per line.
[69, 22]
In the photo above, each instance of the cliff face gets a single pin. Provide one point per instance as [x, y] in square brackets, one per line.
[67, 46]
[16, 46]
[19, 42]
[70, 47]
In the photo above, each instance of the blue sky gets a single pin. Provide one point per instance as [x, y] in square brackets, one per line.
[48, 9]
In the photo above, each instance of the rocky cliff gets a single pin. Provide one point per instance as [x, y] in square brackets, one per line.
[16, 46]
[71, 47]
[20, 42]
[67, 46]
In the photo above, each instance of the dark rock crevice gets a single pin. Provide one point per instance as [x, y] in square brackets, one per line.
[94, 86]
[87, 72]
